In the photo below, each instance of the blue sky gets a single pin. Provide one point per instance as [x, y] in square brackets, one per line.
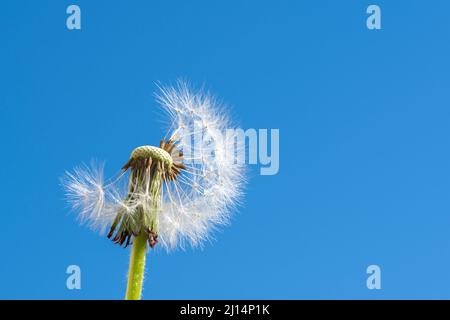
[364, 143]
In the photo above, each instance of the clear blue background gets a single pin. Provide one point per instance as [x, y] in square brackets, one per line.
[364, 152]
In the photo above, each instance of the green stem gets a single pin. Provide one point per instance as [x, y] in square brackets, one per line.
[137, 268]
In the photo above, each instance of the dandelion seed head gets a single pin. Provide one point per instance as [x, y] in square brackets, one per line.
[178, 193]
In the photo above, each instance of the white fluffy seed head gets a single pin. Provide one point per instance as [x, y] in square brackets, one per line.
[202, 196]
[86, 192]
[205, 193]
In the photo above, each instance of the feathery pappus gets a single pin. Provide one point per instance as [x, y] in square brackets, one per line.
[175, 193]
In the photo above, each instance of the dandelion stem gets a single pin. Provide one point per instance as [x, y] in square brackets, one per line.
[137, 268]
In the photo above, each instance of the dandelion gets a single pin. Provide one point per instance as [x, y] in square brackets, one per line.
[173, 194]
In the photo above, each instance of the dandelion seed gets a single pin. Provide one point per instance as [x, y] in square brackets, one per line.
[173, 194]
